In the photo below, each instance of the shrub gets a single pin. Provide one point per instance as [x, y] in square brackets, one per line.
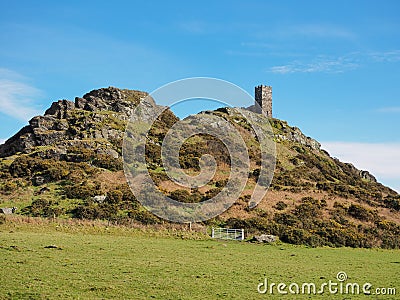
[114, 197]
[144, 217]
[158, 176]
[153, 154]
[107, 211]
[196, 196]
[390, 242]
[287, 219]
[280, 205]
[295, 236]
[221, 183]
[50, 169]
[83, 190]
[189, 162]
[107, 162]
[392, 203]
[255, 174]
[306, 211]
[43, 208]
[336, 237]
[87, 212]
[212, 193]
[39, 207]
[286, 180]
[360, 213]
[21, 166]
[128, 198]
[8, 187]
[80, 154]
[180, 195]
[295, 161]
[58, 172]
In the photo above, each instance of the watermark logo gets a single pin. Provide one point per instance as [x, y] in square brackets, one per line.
[136, 140]
[340, 286]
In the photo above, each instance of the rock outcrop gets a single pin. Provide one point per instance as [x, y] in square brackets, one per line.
[99, 114]
[286, 132]
[294, 134]
[367, 176]
[264, 238]
[60, 109]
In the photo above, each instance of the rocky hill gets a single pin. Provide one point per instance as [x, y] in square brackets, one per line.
[98, 117]
[68, 163]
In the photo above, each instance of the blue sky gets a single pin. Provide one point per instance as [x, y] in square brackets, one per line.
[334, 66]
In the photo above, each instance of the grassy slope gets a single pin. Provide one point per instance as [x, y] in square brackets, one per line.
[99, 262]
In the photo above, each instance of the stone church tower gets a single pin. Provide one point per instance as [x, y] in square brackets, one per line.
[263, 96]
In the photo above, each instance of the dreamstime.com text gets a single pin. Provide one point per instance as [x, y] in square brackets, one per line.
[340, 286]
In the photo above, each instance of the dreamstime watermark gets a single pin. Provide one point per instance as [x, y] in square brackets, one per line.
[340, 286]
[220, 127]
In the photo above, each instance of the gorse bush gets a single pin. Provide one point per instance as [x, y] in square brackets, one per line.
[361, 213]
[50, 169]
[280, 205]
[89, 211]
[144, 217]
[114, 197]
[108, 162]
[304, 225]
[25, 166]
[43, 208]
[8, 187]
[392, 202]
[82, 190]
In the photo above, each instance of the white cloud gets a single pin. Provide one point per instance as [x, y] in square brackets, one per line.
[318, 64]
[2, 141]
[386, 56]
[302, 31]
[381, 159]
[320, 31]
[336, 64]
[16, 96]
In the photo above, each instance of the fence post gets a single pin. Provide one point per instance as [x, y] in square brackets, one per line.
[212, 232]
[242, 234]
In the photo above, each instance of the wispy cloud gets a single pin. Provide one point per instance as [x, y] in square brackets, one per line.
[17, 96]
[338, 64]
[319, 64]
[392, 109]
[320, 31]
[385, 56]
[381, 159]
[308, 31]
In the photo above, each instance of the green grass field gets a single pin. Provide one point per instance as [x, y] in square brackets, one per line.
[102, 263]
